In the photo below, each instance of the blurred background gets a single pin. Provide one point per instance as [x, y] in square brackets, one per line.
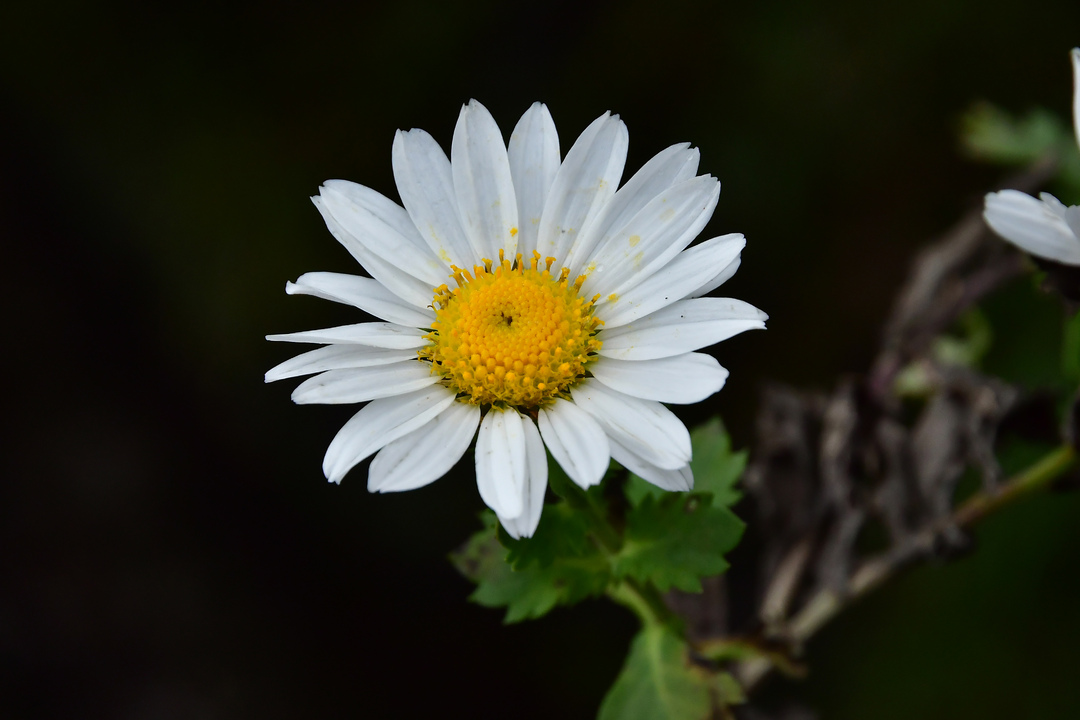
[168, 545]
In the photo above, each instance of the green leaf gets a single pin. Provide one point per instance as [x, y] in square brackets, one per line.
[716, 468]
[677, 540]
[562, 533]
[561, 484]
[1028, 339]
[970, 342]
[658, 682]
[544, 577]
[993, 135]
[1070, 350]
[728, 690]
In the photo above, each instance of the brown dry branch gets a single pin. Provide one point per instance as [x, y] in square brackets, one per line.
[831, 469]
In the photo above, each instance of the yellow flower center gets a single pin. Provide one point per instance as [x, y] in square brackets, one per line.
[511, 334]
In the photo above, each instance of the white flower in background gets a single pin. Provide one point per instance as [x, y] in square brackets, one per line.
[528, 298]
[1043, 227]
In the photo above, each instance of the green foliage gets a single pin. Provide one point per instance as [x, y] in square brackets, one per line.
[677, 540]
[993, 135]
[547, 570]
[716, 468]
[968, 344]
[667, 540]
[1070, 351]
[562, 533]
[1028, 338]
[658, 682]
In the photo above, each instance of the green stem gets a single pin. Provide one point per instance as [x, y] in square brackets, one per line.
[1034, 478]
[643, 599]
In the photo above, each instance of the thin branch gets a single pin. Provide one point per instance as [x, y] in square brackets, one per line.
[827, 604]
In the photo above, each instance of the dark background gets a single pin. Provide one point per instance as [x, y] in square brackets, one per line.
[168, 545]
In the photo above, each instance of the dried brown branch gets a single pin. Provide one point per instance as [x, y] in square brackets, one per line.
[829, 467]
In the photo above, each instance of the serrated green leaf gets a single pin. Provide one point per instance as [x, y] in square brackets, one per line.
[561, 484]
[533, 589]
[562, 533]
[637, 489]
[677, 540]
[716, 468]
[658, 682]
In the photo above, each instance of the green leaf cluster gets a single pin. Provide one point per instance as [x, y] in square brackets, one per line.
[677, 540]
[715, 466]
[596, 541]
[631, 541]
[558, 566]
[661, 681]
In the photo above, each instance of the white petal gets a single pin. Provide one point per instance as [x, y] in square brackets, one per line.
[668, 167]
[1071, 215]
[375, 334]
[427, 453]
[426, 185]
[534, 159]
[678, 480]
[652, 238]
[482, 183]
[682, 379]
[586, 180]
[335, 357]
[719, 279]
[353, 385]
[1075, 54]
[384, 228]
[576, 441]
[524, 525]
[367, 294]
[1036, 226]
[380, 422]
[649, 428]
[407, 287]
[500, 462]
[689, 271]
[681, 327]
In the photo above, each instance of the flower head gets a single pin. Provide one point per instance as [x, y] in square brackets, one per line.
[528, 302]
[1043, 227]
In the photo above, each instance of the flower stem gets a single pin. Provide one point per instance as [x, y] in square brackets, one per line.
[643, 599]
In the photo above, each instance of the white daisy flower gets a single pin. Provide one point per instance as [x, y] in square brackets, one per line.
[526, 297]
[1043, 227]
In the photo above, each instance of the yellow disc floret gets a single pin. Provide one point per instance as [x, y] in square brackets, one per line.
[511, 334]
